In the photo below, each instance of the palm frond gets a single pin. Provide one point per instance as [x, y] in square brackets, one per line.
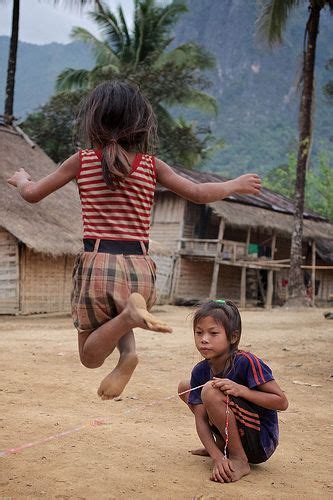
[189, 56]
[170, 14]
[123, 26]
[102, 51]
[196, 99]
[73, 79]
[272, 19]
[110, 28]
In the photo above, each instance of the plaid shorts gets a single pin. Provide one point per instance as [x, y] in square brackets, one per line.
[102, 283]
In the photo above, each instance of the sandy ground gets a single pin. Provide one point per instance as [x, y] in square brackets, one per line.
[143, 452]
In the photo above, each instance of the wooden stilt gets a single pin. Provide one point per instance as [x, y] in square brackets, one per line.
[243, 275]
[270, 285]
[213, 287]
[243, 288]
[313, 273]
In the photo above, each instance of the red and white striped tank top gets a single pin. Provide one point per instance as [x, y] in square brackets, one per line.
[122, 213]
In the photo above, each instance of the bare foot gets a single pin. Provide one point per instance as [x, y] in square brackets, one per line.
[241, 467]
[136, 308]
[114, 383]
[202, 452]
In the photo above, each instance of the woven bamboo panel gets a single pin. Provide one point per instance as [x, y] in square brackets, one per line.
[45, 283]
[9, 273]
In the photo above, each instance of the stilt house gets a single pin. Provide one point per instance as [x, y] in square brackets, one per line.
[239, 247]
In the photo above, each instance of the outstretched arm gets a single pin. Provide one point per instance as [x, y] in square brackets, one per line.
[208, 191]
[34, 192]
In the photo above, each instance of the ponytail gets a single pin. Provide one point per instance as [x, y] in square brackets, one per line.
[117, 117]
[115, 163]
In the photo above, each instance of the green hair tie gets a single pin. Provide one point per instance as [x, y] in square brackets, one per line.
[220, 301]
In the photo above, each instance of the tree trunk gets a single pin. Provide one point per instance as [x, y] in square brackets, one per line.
[11, 69]
[296, 282]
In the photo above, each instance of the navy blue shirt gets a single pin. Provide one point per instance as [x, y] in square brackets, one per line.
[250, 371]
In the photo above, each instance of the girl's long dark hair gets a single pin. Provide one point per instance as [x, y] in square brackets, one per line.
[117, 118]
[225, 313]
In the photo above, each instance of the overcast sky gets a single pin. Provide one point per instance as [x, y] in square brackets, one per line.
[42, 23]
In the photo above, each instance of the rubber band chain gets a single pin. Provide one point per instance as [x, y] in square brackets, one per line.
[101, 421]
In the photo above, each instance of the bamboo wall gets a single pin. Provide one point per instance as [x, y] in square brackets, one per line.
[9, 273]
[325, 291]
[167, 220]
[45, 283]
[193, 280]
[164, 273]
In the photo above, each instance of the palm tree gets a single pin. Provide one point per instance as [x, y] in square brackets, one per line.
[168, 76]
[271, 22]
[12, 58]
[11, 68]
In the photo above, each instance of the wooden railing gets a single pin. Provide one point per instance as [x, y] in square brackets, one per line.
[231, 250]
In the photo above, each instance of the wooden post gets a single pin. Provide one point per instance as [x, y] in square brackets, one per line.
[213, 287]
[243, 288]
[243, 275]
[313, 273]
[176, 255]
[270, 287]
[248, 239]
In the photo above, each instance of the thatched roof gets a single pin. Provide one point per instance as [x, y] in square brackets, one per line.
[52, 226]
[241, 215]
[270, 210]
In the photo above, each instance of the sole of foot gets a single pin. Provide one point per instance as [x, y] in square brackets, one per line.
[115, 382]
[136, 309]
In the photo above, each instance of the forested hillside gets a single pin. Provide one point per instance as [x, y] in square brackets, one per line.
[255, 87]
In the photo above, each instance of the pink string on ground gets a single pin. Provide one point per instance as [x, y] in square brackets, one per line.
[92, 423]
[100, 421]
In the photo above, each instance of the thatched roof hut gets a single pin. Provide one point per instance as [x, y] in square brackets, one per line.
[270, 210]
[52, 226]
[37, 242]
[233, 246]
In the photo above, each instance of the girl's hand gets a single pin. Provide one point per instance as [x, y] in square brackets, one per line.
[222, 471]
[229, 387]
[19, 178]
[248, 184]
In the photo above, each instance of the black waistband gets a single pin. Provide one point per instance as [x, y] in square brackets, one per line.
[115, 246]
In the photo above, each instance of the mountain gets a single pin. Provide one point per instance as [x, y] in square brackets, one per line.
[37, 69]
[256, 87]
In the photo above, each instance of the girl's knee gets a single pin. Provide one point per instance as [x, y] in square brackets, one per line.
[90, 361]
[184, 385]
[210, 394]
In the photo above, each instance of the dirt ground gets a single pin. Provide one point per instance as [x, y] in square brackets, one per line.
[142, 453]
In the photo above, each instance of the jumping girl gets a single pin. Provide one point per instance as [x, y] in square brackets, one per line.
[114, 277]
[239, 394]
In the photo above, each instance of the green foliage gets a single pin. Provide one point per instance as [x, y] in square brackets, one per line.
[282, 178]
[273, 18]
[319, 189]
[319, 183]
[52, 126]
[168, 76]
